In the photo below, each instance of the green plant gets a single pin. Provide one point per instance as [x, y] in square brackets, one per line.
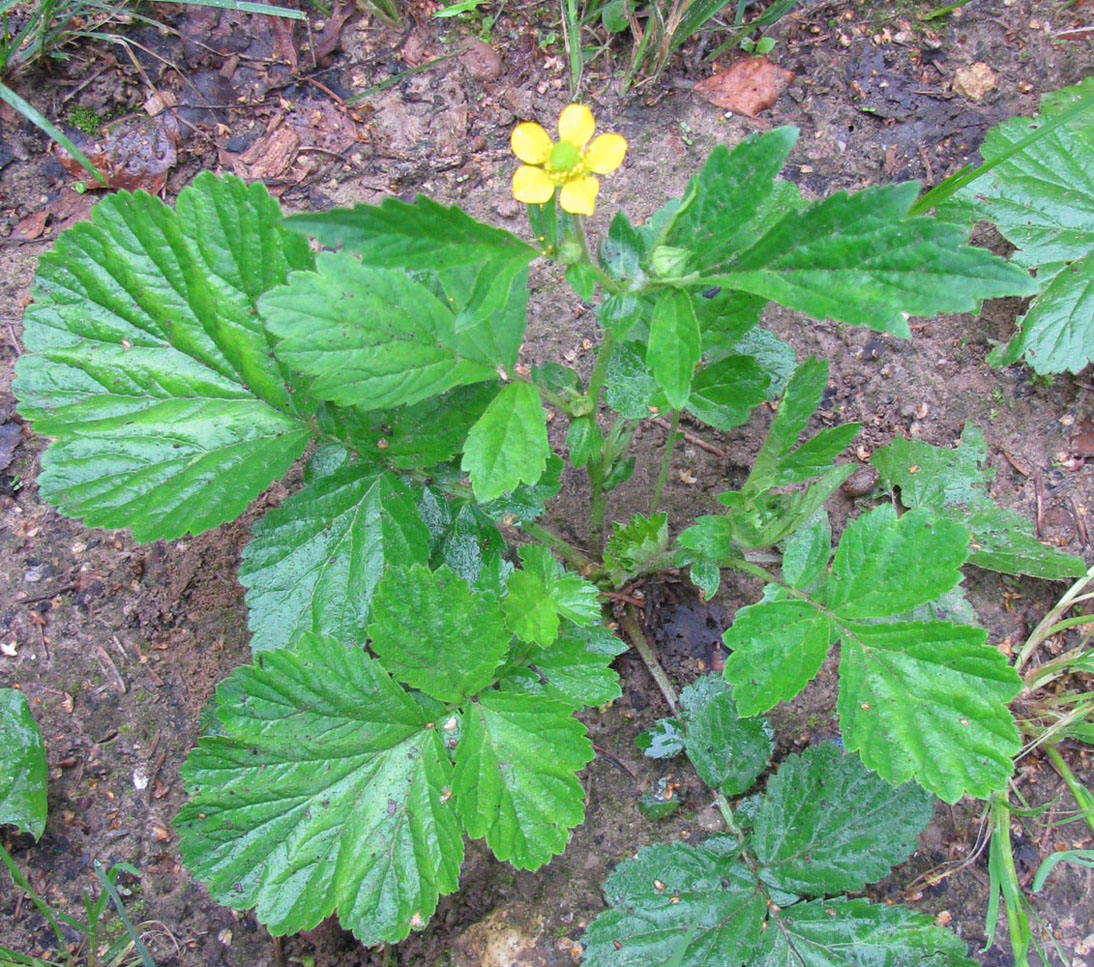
[415, 675]
[770, 890]
[24, 775]
[1037, 187]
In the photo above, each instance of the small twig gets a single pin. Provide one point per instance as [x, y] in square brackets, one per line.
[696, 440]
[642, 645]
[114, 668]
[618, 763]
[1018, 465]
[1039, 486]
[326, 90]
[626, 599]
[1080, 523]
[47, 595]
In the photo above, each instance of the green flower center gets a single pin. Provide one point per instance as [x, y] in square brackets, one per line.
[564, 157]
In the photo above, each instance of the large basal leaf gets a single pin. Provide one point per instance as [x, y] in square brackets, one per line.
[954, 483]
[855, 933]
[1042, 200]
[928, 700]
[421, 235]
[731, 187]
[314, 562]
[728, 752]
[329, 793]
[859, 259]
[370, 337]
[674, 346]
[680, 905]
[148, 363]
[508, 445]
[435, 633]
[515, 780]
[24, 773]
[828, 825]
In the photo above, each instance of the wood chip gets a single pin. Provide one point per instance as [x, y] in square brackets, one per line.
[749, 86]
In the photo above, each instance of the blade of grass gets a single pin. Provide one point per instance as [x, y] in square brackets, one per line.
[108, 886]
[243, 6]
[402, 76]
[41, 122]
[1080, 857]
[571, 37]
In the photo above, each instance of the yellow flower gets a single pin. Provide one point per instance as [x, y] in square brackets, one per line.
[568, 165]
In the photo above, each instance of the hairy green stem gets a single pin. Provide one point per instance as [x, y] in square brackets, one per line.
[562, 547]
[1082, 796]
[670, 443]
[596, 469]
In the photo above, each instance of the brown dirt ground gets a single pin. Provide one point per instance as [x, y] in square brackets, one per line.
[118, 647]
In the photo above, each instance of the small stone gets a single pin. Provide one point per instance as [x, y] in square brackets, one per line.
[861, 482]
[974, 82]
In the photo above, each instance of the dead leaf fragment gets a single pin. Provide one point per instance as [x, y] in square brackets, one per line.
[270, 156]
[974, 82]
[29, 228]
[136, 154]
[159, 102]
[749, 86]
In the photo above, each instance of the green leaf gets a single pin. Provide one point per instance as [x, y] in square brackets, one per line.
[828, 825]
[724, 394]
[697, 906]
[410, 437]
[638, 544]
[313, 563]
[435, 634]
[929, 701]
[815, 456]
[806, 554]
[878, 569]
[955, 483]
[1041, 198]
[147, 362]
[674, 345]
[515, 779]
[327, 794]
[570, 672]
[853, 933]
[665, 740]
[799, 403]
[728, 752]
[396, 235]
[582, 279]
[466, 541]
[729, 190]
[772, 355]
[527, 502]
[859, 259]
[623, 251]
[371, 337]
[584, 441]
[629, 387]
[24, 773]
[508, 445]
[775, 650]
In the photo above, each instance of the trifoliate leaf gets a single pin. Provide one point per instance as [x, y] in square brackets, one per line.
[329, 794]
[775, 650]
[146, 360]
[954, 483]
[630, 387]
[314, 562]
[570, 672]
[398, 235]
[435, 634]
[508, 445]
[690, 906]
[371, 337]
[542, 593]
[24, 773]
[853, 933]
[859, 259]
[724, 394]
[929, 701]
[878, 569]
[515, 779]
[728, 752]
[663, 741]
[674, 346]
[637, 545]
[828, 825]
[731, 187]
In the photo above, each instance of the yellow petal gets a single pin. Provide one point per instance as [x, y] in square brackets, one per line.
[576, 124]
[530, 143]
[532, 186]
[606, 153]
[578, 197]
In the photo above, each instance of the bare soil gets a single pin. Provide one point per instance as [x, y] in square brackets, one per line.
[118, 647]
